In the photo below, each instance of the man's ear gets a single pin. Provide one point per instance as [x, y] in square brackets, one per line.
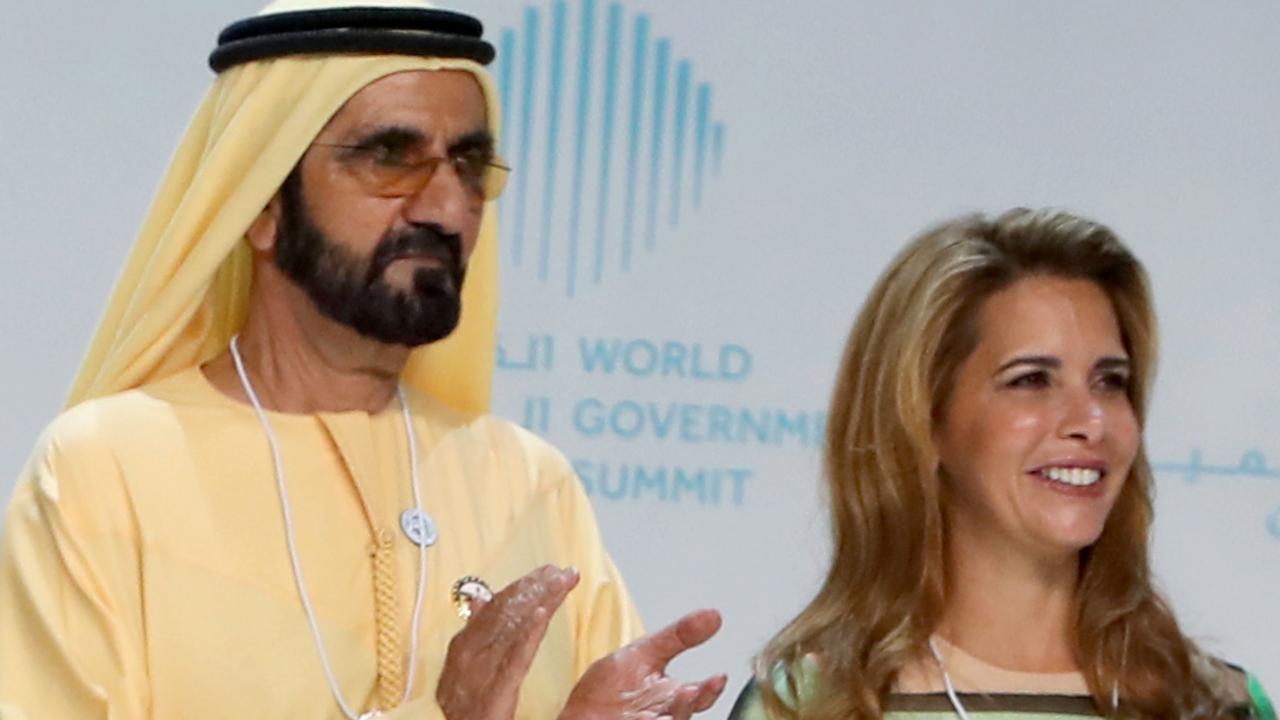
[262, 233]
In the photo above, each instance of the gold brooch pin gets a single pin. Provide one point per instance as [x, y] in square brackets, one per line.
[467, 589]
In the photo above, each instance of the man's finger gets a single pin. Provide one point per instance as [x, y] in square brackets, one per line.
[681, 707]
[515, 662]
[689, 631]
[534, 605]
[477, 604]
[492, 654]
[708, 692]
[509, 608]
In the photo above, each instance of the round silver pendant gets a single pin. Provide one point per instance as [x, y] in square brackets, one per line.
[419, 526]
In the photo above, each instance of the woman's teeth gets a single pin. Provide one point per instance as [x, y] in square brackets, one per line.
[1079, 477]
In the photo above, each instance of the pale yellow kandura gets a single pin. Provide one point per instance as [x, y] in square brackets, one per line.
[144, 570]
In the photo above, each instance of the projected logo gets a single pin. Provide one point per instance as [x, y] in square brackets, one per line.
[1252, 466]
[611, 137]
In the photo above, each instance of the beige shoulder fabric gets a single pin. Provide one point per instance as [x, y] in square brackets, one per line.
[184, 288]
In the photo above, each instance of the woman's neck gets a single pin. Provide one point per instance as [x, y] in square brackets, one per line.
[1009, 609]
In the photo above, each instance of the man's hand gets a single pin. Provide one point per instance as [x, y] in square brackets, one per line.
[488, 660]
[632, 683]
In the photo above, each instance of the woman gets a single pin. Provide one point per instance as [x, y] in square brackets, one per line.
[991, 499]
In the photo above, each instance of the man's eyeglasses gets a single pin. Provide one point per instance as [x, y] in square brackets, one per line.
[389, 172]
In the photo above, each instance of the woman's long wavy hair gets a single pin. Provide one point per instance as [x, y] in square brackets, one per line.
[884, 593]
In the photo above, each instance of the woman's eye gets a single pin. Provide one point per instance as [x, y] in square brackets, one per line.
[1115, 381]
[1035, 379]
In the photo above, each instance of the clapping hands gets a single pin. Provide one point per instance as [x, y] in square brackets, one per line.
[632, 683]
[489, 659]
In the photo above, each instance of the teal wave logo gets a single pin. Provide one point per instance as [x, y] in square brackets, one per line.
[637, 133]
[1252, 465]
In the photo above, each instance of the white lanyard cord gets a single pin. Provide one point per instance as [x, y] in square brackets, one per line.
[412, 438]
[946, 682]
[298, 578]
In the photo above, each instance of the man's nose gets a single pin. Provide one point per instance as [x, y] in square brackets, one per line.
[445, 200]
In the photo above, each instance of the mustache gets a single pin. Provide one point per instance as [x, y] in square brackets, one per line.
[430, 240]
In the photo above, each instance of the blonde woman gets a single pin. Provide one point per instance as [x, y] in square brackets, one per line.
[991, 499]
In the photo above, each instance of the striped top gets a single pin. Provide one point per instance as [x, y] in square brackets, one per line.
[994, 693]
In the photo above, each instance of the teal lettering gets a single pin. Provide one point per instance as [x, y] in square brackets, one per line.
[627, 419]
[641, 481]
[613, 493]
[749, 424]
[699, 371]
[662, 421]
[691, 423]
[673, 359]
[695, 483]
[786, 425]
[718, 421]
[740, 477]
[599, 355]
[640, 357]
[584, 468]
[735, 363]
[588, 417]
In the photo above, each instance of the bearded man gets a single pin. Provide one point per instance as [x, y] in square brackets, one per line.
[276, 478]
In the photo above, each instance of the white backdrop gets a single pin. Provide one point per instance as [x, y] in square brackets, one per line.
[684, 249]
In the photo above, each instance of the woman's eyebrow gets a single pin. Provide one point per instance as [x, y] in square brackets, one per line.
[1113, 362]
[1041, 361]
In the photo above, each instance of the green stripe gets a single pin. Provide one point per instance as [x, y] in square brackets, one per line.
[1261, 703]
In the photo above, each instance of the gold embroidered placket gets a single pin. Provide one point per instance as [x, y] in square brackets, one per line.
[390, 654]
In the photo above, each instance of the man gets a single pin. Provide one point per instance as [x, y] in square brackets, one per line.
[275, 469]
